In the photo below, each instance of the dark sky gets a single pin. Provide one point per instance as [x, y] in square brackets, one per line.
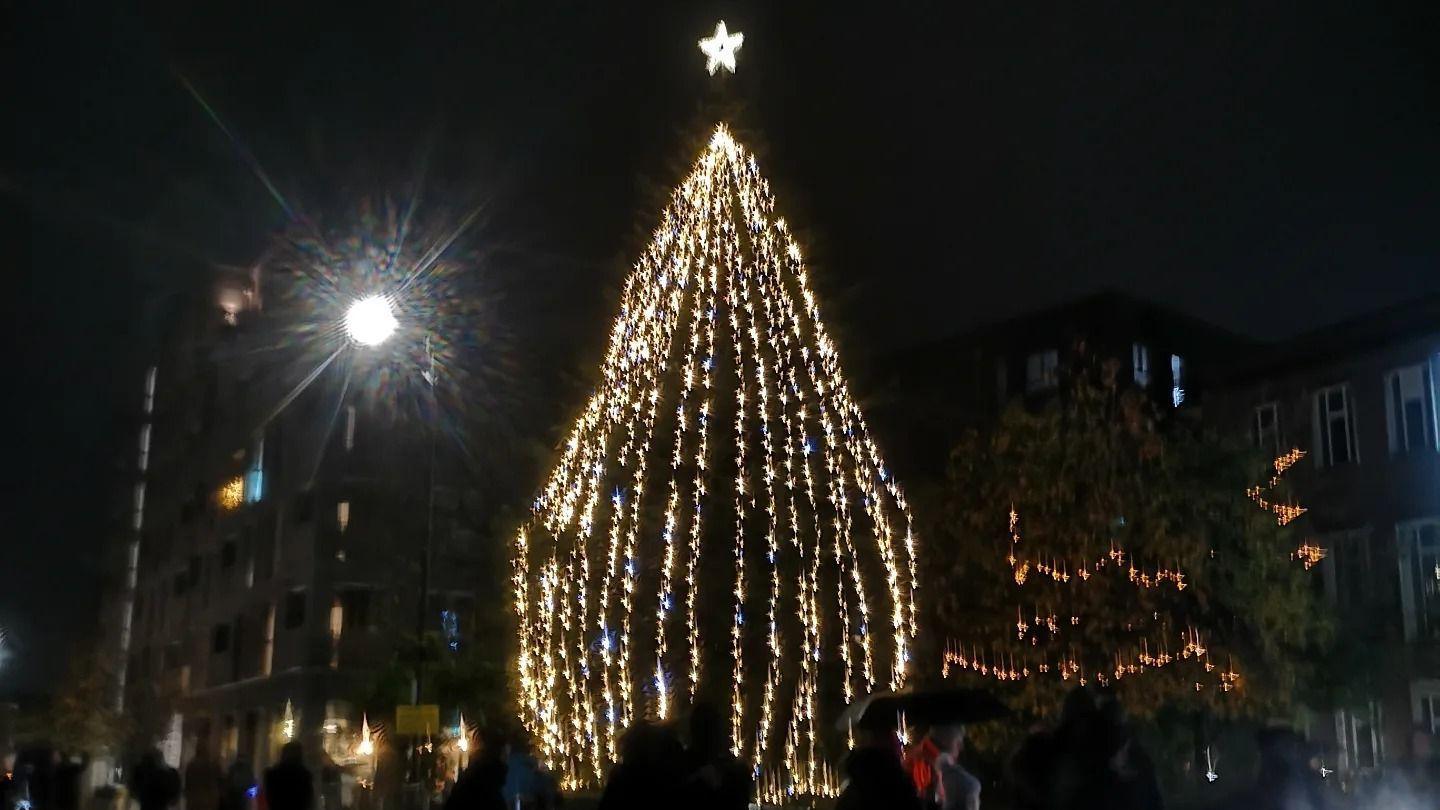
[1270, 167]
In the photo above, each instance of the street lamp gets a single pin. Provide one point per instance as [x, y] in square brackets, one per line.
[370, 321]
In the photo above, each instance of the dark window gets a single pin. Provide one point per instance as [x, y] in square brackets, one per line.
[355, 607]
[1352, 562]
[294, 609]
[180, 584]
[221, 639]
[303, 507]
[265, 546]
[1267, 427]
[227, 554]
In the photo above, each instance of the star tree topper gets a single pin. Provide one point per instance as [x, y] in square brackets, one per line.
[720, 49]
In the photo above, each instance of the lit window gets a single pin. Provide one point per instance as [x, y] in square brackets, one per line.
[1177, 380]
[1335, 427]
[1042, 370]
[1267, 427]
[337, 626]
[1420, 578]
[232, 494]
[1410, 402]
[255, 478]
[1140, 360]
[450, 625]
[342, 515]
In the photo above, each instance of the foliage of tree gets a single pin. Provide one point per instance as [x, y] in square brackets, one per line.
[1116, 498]
[83, 717]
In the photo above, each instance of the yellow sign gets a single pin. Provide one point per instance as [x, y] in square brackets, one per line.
[423, 719]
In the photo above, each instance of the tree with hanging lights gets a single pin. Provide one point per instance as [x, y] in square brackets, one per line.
[1100, 541]
[720, 524]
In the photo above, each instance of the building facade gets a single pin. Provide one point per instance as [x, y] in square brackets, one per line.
[285, 500]
[943, 388]
[1360, 398]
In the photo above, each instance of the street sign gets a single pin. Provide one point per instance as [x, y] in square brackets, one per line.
[421, 719]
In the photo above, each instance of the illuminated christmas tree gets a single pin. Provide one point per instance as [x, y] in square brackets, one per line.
[720, 524]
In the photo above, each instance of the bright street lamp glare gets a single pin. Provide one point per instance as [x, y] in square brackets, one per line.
[371, 320]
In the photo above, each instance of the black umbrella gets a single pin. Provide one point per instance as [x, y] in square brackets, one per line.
[930, 708]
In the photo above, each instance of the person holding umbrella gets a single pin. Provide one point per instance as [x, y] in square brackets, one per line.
[934, 765]
[875, 775]
[931, 771]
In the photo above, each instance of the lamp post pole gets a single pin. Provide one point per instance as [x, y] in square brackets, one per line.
[428, 374]
[370, 322]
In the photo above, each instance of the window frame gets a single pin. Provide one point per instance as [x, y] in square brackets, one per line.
[1325, 451]
[1349, 567]
[1398, 435]
[1407, 540]
[1348, 732]
[1425, 705]
[1276, 439]
[1140, 363]
[1042, 371]
[1178, 375]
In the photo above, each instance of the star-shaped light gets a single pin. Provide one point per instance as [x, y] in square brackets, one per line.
[720, 49]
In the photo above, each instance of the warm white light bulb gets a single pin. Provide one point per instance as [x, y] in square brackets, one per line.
[371, 320]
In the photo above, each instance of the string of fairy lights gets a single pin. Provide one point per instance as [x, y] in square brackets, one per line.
[617, 581]
[1042, 626]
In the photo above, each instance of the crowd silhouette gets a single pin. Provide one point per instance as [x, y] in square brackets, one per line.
[1087, 759]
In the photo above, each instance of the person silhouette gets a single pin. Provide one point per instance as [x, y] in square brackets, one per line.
[289, 784]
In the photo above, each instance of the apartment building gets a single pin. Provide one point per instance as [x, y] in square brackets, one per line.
[1360, 398]
[284, 497]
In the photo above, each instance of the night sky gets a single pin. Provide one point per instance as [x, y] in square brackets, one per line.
[1268, 167]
